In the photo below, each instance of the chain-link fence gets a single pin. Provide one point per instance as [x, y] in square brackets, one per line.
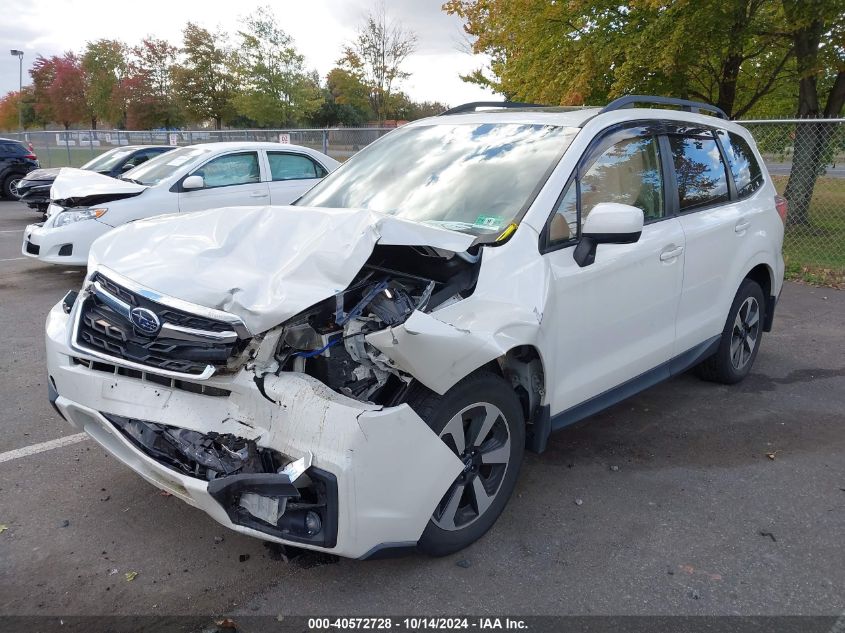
[806, 159]
[74, 148]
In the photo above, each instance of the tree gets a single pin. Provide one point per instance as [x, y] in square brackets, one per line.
[68, 101]
[42, 73]
[590, 51]
[816, 29]
[9, 110]
[376, 56]
[275, 88]
[204, 81]
[105, 68]
[150, 88]
[348, 89]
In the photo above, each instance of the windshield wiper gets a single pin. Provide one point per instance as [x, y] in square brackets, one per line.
[132, 180]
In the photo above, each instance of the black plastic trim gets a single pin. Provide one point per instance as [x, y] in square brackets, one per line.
[474, 105]
[769, 318]
[629, 101]
[53, 395]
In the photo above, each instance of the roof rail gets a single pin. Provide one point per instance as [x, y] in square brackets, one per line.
[474, 105]
[690, 106]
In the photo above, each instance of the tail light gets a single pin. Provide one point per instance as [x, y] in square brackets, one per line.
[31, 156]
[782, 206]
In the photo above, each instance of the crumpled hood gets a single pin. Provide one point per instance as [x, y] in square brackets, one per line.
[263, 264]
[77, 184]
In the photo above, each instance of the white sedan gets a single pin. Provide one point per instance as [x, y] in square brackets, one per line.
[85, 205]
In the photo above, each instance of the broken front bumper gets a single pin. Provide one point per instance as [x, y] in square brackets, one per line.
[389, 469]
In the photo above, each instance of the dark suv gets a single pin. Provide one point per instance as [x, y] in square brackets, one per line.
[34, 190]
[16, 160]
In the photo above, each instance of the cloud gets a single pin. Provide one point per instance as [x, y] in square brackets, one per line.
[319, 27]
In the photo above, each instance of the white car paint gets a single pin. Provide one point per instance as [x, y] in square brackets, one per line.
[49, 241]
[595, 328]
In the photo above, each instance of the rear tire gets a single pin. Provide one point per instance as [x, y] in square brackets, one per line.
[740, 339]
[481, 420]
[10, 186]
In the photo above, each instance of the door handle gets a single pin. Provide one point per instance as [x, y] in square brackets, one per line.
[258, 194]
[742, 225]
[669, 255]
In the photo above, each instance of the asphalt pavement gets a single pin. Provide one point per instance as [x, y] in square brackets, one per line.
[690, 498]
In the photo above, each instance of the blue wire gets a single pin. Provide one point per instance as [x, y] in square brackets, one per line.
[317, 352]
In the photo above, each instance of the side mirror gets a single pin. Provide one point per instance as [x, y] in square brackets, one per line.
[127, 167]
[193, 182]
[608, 223]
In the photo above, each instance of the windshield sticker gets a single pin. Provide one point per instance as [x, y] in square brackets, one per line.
[490, 222]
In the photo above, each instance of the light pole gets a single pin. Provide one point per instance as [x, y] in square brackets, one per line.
[19, 54]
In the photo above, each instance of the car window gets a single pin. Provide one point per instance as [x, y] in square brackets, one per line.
[107, 160]
[167, 164]
[471, 177]
[284, 166]
[627, 172]
[231, 169]
[700, 171]
[746, 171]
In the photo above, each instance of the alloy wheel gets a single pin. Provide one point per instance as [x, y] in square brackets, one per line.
[479, 436]
[745, 331]
[13, 188]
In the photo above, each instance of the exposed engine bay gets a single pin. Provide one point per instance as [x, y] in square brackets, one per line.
[327, 341]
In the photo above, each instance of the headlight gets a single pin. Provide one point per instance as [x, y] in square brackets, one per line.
[68, 217]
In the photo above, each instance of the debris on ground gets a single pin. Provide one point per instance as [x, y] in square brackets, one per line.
[3, 527]
[298, 556]
[579, 502]
[218, 539]
[64, 523]
[770, 535]
[112, 572]
[130, 576]
[772, 455]
[464, 563]
[226, 624]
[243, 558]
[614, 468]
[164, 493]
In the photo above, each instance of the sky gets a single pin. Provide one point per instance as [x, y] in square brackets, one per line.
[318, 27]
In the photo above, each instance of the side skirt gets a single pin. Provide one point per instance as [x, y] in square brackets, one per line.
[544, 423]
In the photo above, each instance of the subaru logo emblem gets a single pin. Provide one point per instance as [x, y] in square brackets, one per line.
[145, 320]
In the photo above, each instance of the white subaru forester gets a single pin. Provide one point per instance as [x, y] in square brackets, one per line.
[362, 371]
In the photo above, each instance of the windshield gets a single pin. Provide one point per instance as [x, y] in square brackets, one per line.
[471, 177]
[107, 160]
[164, 165]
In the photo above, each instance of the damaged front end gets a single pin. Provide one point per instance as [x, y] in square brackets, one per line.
[329, 340]
[257, 489]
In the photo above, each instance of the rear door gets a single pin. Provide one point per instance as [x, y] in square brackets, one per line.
[614, 319]
[231, 180]
[291, 175]
[715, 228]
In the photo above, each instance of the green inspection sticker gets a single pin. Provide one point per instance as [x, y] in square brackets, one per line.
[491, 222]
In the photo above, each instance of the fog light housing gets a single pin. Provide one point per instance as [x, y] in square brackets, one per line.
[313, 523]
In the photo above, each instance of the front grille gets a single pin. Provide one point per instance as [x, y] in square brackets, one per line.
[32, 249]
[104, 329]
[172, 383]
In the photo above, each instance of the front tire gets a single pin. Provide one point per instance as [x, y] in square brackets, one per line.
[481, 420]
[10, 187]
[741, 337]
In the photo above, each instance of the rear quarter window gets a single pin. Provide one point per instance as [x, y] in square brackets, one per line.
[700, 172]
[746, 171]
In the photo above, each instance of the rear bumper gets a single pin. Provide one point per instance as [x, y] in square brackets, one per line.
[390, 470]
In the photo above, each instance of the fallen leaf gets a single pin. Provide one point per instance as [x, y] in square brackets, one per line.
[3, 528]
[130, 575]
[226, 623]
[164, 493]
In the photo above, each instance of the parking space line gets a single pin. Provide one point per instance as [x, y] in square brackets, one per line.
[34, 449]
[13, 231]
[13, 259]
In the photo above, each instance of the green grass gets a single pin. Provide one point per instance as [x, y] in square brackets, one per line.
[816, 253]
[58, 156]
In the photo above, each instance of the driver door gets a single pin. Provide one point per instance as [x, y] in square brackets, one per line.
[614, 319]
[231, 180]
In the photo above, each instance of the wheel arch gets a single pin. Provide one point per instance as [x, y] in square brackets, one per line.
[763, 275]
